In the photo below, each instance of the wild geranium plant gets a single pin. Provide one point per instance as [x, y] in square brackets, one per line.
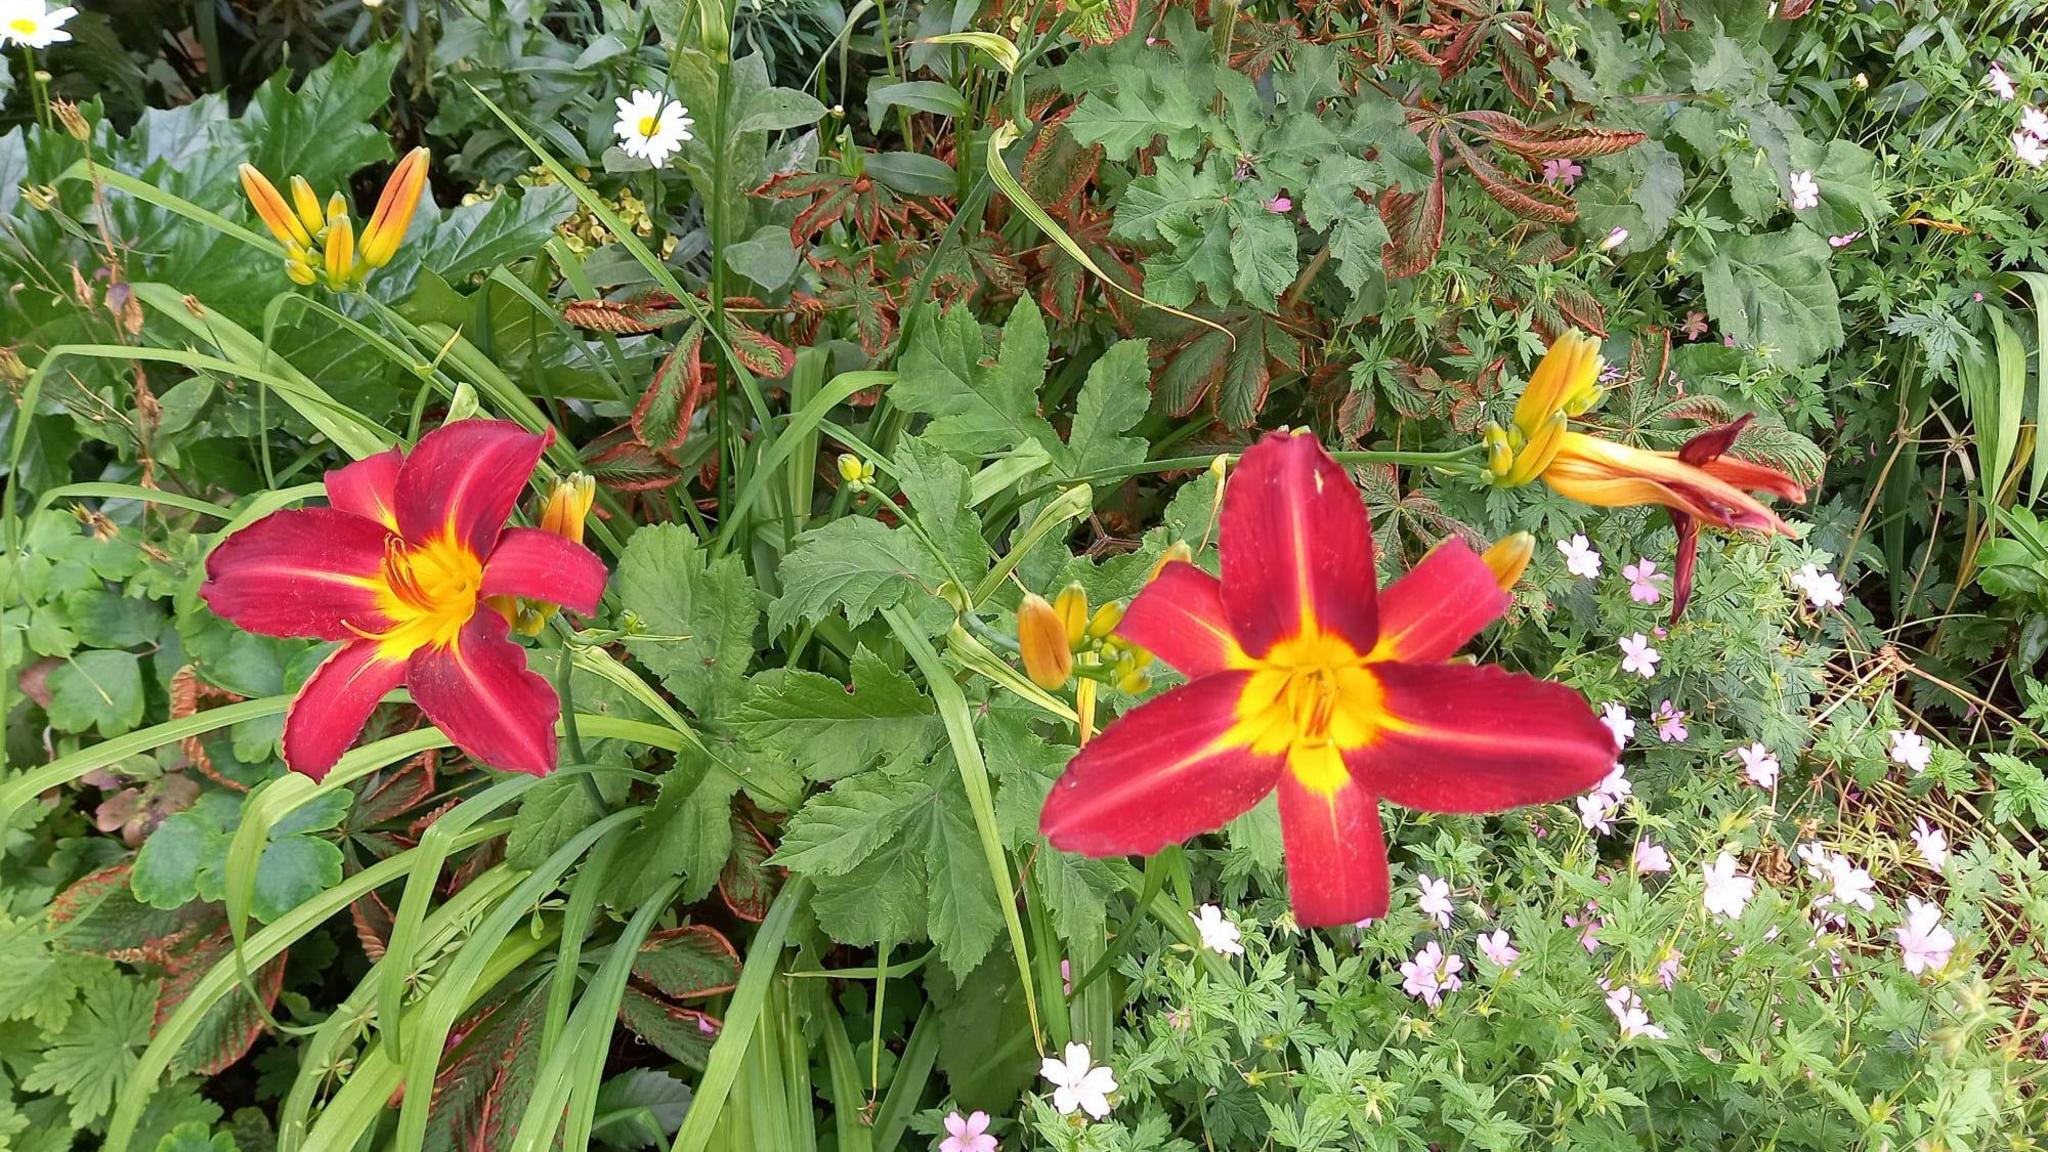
[1100, 577]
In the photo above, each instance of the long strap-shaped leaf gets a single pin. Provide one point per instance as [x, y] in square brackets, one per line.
[952, 705]
[1006, 135]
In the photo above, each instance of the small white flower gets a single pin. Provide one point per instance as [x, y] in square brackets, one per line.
[1077, 1084]
[1650, 856]
[1615, 239]
[1218, 935]
[1805, 191]
[1932, 843]
[1638, 657]
[1925, 944]
[1579, 557]
[1847, 883]
[1728, 892]
[651, 127]
[1759, 765]
[2034, 122]
[1436, 898]
[2030, 151]
[1617, 720]
[1629, 1013]
[1912, 750]
[1498, 949]
[1822, 589]
[1596, 812]
[33, 24]
[2000, 83]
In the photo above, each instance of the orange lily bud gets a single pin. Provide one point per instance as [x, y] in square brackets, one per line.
[271, 208]
[1042, 641]
[1072, 605]
[307, 203]
[1567, 377]
[1508, 558]
[1535, 455]
[568, 506]
[395, 207]
[341, 248]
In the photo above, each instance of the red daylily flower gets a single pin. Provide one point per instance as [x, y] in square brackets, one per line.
[1302, 677]
[397, 567]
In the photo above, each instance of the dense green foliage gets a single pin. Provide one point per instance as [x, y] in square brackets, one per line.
[943, 305]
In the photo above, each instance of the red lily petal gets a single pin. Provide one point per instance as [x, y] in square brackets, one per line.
[1461, 738]
[1755, 478]
[1430, 613]
[1158, 775]
[305, 572]
[1336, 855]
[1179, 618]
[368, 487]
[1688, 558]
[1297, 547]
[329, 712]
[543, 566]
[463, 479]
[480, 692]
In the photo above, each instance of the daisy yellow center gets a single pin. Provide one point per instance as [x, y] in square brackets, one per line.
[1311, 698]
[649, 125]
[428, 592]
[21, 24]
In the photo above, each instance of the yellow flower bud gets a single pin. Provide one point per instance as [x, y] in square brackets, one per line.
[851, 470]
[341, 248]
[1072, 605]
[1176, 551]
[1500, 453]
[1537, 454]
[1042, 641]
[568, 506]
[1509, 557]
[1134, 682]
[307, 203]
[394, 211]
[1105, 620]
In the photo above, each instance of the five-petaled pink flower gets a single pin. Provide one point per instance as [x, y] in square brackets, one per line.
[1911, 750]
[1925, 945]
[967, 1133]
[1932, 843]
[397, 568]
[1642, 577]
[1499, 950]
[1650, 857]
[1670, 724]
[1431, 974]
[1562, 172]
[2000, 84]
[1759, 765]
[1727, 892]
[1638, 657]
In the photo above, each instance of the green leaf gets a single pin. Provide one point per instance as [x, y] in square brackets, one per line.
[196, 1136]
[856, 565]
[1637, 189]
[1262, 253]
[936, 487]
[767, 257]
[832, 730]
[103, 619]
[97, 689]
[1774, 290]
[294, 869]
[1356, 243]
[171, 862]
[1113, 398]
[550, 815]
[977, 409]
[98, 1048]
[675, 587]
[473, 238]
[688, 833]
[1144, 106]
[836, 830]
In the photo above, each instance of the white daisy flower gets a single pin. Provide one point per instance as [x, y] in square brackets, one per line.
[32, 23]
[651, 127]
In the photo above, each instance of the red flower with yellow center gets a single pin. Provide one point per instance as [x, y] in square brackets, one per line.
[397, 568]
[1302, 677]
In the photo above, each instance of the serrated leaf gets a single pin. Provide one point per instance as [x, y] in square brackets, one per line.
[98, 1048]
[832, 730]
[1775, 290]
[1113, 398]
[977, 408]
[687, 963]
[854, 565]
[96, 690]
[700, 614]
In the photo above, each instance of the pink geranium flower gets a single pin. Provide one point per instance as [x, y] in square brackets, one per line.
[967, 1133]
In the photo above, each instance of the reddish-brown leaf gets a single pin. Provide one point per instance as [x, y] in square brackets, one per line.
[1415, 227]
[747, 883]
[1561, 141]
[688, 963]
[225, 1031]
[100, 915]
[1525, 199]
[646, 312]
[662, 418]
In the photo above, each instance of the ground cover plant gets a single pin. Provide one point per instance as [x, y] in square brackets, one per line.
[1109, 575]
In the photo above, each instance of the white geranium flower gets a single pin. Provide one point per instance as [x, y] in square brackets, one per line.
[1218, 935]
[1078, 1085]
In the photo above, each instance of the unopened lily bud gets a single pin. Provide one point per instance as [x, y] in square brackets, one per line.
[1176, 551]
[394, 211]
[1105, 620]
[306, 203]
[1219, 466]
[1042, 642]
[1500, 455]
[857, 473]
[1134, 682]
[341, 248]
[1538, 453]
[1509, 558]
[1072, 605]
[568, 506]
[271, 208]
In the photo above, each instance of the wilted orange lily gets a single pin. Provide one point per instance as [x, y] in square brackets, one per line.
[1698, 483]
[398, 568]
[1302, 677]
[320, 243]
